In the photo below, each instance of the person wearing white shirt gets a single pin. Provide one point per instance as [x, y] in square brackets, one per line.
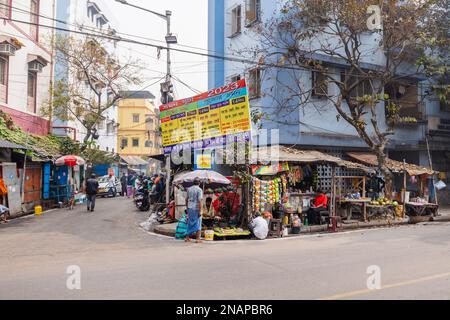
[259, 227]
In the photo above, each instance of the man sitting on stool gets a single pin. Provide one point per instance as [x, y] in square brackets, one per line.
[320, 204]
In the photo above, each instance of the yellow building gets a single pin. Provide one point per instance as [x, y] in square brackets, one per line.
[138, 125]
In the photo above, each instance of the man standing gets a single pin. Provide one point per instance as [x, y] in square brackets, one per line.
[123, 182]
[91, 192]
[194, 207]
[112, 185]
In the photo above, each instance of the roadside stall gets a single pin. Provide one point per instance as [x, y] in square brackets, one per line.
[221, 220]
[283, 191]
[68, 179]
[411, 190]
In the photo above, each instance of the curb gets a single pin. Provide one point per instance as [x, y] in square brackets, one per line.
[316, 229]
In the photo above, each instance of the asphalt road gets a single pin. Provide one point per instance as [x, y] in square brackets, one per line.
[118, 260]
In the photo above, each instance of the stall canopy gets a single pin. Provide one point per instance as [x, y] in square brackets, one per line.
[262, 154]
[134, 160]
[10, 145]
[393, 165]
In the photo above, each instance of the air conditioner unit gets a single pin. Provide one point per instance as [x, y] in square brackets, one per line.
[7, 49]
[35, 66]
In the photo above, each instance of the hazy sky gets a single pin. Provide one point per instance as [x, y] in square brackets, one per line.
[189, 23]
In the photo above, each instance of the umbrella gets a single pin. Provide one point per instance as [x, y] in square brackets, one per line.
[208, 178]
[70, 161]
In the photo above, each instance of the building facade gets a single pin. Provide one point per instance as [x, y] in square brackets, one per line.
[26, 61]
[87, 16]
[232, 28]
[138, 133]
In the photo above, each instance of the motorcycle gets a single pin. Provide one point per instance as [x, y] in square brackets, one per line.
[142, 199]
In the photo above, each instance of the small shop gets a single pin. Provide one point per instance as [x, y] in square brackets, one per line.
[67, 179]
[285, 193]
[413, 188]
[223, 214]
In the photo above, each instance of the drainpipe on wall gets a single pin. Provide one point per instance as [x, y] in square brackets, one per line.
[52, 66]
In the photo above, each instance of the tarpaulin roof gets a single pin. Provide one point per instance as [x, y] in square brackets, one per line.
[264, 154]
[393, 165]
[134, 160]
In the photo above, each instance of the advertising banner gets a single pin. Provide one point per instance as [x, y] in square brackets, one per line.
[208, 120]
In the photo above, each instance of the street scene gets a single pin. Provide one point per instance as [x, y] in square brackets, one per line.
[224, 150]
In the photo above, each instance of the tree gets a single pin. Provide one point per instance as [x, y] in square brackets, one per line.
[90, 82]
[378, 46]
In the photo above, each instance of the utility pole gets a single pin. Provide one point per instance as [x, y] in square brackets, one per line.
[166, 87]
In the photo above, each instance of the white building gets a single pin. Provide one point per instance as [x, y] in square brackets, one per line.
[26, 63]
[87, 16]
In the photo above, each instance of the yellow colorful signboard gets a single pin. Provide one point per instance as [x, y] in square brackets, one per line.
[207, 120]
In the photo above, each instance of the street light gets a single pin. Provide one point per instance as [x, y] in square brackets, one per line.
[166, 87]
[170, 39]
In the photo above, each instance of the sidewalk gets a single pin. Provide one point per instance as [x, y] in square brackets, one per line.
[444, 216]
[169, 229]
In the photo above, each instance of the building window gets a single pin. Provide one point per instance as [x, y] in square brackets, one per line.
[236, 21]
[5, 8]
[254, 83]
[135, 142]
[319, 84]
[101, 125]
[148, 144]
[235, 78]
[3, 79]
[34, 19]
[110, 128]
[363, 87]
[124, 143]
[252, 11]
[32, 84]
[136, 118]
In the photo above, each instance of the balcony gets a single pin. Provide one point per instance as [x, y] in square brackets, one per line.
[409, 114]
[439, 127]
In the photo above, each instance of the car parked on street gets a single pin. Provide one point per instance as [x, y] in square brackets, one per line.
[103, 189]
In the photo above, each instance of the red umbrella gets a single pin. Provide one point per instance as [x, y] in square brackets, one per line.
[70, 161]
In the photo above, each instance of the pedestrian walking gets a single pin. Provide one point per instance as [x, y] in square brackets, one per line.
[123, 182]
[91, 192]
[194, 208]
[112, 191]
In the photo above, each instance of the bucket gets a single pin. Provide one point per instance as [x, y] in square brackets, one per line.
[209, 235]
[38, 210]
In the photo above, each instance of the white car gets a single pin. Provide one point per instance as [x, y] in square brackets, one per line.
[103, 189]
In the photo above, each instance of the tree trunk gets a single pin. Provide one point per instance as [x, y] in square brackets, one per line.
[388, 176]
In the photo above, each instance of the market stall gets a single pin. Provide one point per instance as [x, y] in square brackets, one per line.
[222, 203]
[284, 191]
[413, 186]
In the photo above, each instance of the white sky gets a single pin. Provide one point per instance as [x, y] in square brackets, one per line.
[189, 22]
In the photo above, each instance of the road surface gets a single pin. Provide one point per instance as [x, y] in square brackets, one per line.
[118, 260]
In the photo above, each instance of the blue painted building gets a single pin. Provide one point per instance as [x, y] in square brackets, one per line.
[231, 28]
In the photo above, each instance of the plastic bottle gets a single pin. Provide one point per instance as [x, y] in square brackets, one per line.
[306, 222]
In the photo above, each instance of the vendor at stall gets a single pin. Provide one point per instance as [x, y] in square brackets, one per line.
[375, 185]
[259, 227]
[320, 203]
[209, 214]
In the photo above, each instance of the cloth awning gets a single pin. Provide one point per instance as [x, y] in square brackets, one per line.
[393, 165]
[10, 145]
[134, 160]
[263, 154]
